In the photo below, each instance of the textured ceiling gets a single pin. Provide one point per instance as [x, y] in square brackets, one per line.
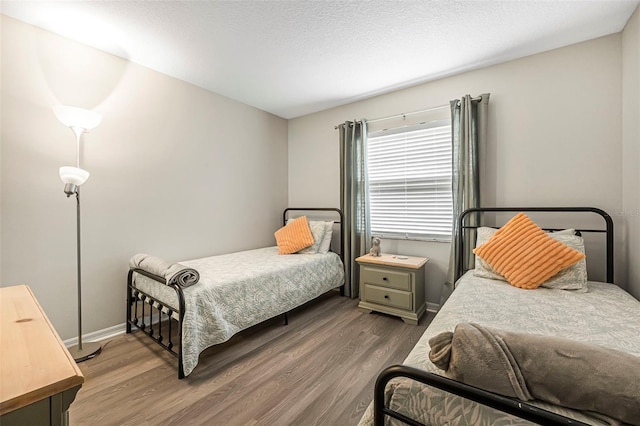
[293, 58]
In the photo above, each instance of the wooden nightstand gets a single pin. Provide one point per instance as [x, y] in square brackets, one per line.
[393, 284]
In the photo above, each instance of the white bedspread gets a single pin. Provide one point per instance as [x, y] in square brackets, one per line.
[239, 290]
[605, 315]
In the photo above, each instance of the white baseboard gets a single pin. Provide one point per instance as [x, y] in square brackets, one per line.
[119, 329]
[106, 333]
[99, 335]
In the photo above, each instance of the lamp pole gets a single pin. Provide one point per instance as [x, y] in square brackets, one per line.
[79, 120]
[80, 352]
[79, 281]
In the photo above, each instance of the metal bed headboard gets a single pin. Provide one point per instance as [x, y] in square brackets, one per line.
[286, 212]
[476, 213]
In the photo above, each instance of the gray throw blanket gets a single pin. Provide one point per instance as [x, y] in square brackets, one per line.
[560, 371]
[173, 273]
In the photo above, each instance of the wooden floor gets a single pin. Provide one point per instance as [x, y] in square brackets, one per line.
[318, 370]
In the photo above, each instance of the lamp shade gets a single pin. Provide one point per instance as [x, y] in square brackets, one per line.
[73, 175]
[77, 117]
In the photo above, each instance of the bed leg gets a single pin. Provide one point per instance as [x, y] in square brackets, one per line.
[129, 302]
[286, 318]
[180, 367]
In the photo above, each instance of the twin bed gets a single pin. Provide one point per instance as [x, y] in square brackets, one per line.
[598, 313]
[234, 292]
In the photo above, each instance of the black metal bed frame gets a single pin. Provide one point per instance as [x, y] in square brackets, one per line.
[138, 300]
[509, 405]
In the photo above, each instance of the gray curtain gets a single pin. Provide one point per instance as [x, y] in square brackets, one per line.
[468, 136]
[354, 199]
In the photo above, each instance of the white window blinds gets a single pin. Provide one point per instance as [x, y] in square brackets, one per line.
[409, 170]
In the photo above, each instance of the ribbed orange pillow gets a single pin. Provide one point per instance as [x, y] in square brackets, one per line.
[524, 254]
[294, 236]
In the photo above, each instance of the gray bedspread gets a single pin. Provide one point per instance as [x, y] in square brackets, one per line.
[239, 290]
[529, 366]
[605, 315]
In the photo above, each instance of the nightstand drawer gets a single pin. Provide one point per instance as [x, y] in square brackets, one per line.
[386, 278]
[388, 297]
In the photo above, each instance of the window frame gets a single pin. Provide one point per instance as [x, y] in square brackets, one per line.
[436, 181]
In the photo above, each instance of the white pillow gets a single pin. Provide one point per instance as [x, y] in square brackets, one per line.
[325, 243]
[317, 230]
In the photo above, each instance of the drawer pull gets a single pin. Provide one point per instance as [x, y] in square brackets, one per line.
[384, 279]
[386, 296]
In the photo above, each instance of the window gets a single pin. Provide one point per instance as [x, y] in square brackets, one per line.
[409, 171]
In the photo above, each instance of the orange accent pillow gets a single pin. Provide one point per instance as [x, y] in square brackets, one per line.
[524, 254]
[294, 236]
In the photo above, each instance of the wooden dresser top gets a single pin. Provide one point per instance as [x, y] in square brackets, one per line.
[34, 363]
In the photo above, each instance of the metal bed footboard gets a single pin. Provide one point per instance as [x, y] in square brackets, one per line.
[512, 406]
[137, 298]
[508, 405]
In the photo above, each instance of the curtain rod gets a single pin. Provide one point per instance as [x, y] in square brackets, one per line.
[413, 112]
[406, 113]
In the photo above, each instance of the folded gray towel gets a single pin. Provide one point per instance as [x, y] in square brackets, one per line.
[171, 272]
[527, 366]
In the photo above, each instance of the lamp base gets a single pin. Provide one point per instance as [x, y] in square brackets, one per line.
[89, 350]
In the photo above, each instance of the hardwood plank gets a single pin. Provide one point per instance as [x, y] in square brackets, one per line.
[318, 370]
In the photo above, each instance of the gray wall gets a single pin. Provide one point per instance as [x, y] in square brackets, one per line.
[554, 139]
[181, 172]
[176, 171]
[631, 148]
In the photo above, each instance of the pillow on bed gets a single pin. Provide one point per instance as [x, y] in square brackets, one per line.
[524, 254]
[572, 278]
[317, 231]
[325, 244]
[575, 276]
[294, 236]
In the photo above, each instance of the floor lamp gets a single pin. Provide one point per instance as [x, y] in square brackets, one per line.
[79, 120]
